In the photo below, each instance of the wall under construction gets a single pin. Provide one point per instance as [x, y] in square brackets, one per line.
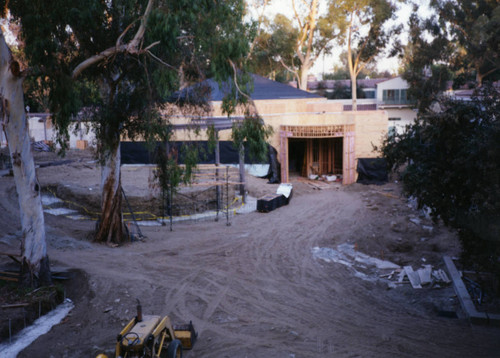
[315, 119]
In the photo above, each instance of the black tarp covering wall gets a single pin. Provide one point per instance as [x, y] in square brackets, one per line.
[274, 172]
[372, 171]
[137, 153]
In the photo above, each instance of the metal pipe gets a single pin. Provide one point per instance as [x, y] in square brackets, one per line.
[227, 196]
[139, 311]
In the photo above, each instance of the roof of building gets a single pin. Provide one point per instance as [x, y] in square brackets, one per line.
[263, 89]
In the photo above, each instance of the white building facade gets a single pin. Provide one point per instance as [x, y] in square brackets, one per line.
[392, 96]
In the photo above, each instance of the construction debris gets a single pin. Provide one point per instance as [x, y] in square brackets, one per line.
[424, 276]
[40, 146]
[413, 276]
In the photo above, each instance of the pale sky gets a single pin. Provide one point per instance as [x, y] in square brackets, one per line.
[326, 63]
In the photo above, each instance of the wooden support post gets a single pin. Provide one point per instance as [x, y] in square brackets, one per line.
[227, 197]
[242, 173]
[217, 163]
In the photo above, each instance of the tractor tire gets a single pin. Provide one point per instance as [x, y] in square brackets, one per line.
[174, 349]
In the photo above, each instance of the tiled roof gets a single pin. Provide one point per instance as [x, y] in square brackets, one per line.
[263, 89]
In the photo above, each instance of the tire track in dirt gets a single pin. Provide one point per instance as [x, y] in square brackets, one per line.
[254, 290]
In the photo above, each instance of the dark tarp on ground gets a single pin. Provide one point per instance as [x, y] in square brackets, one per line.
[372, 171]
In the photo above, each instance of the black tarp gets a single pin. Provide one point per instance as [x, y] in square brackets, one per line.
[372, 171]
[274, 172]
[137, 153]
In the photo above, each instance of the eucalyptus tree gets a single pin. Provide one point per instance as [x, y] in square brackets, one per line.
[473, 27]
[367, 33]
[459, 42]
[273, 49]
[297, 42]
[117, 61]
[35, 269]
[426, 61]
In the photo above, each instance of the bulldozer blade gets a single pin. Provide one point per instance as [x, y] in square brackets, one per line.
[186, 334]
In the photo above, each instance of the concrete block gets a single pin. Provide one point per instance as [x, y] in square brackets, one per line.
[468, 306]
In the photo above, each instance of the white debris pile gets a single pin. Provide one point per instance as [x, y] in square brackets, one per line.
[347, 255]
[41, 326]
[424, 276]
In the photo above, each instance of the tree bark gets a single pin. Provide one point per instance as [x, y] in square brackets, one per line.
[110, 228]
[352, 66]
[354, 92]
[35, 270]
[304, 73]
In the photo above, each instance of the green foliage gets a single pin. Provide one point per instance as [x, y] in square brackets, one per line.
[472, 27]
[253, 133]
[186, 41]
[293, 45]
[373, 16]
[460, 43]
[340, 91]
[275, 43]
[341, 72]
[452, 161]
[368, 32]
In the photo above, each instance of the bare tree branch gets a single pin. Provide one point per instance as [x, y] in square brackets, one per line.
[259, 29]
[160, 60]
[236, 80]
[97, 58]
[289, 69]
[132, 47]
[296, 14]
[151, 46]
[119, 40]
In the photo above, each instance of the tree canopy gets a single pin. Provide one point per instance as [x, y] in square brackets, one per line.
[295, 44]
[450, 163]
[450, 156]
[459, 43]
[473, 29]
[117, 62]
[367, 33]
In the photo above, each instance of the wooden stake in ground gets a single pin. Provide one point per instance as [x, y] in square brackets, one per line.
[35, 269]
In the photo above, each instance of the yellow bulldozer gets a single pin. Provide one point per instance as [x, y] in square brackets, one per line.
[150, 336]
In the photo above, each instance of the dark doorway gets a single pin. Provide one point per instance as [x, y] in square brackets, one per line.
[317, 156]
[296, 156]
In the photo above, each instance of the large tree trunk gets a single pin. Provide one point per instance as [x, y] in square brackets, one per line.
[35, 270]
[354, 92]
[353, 66]
[304, 73]
[110, 227]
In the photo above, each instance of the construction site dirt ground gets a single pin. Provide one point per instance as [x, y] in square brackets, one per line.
[254, 288]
